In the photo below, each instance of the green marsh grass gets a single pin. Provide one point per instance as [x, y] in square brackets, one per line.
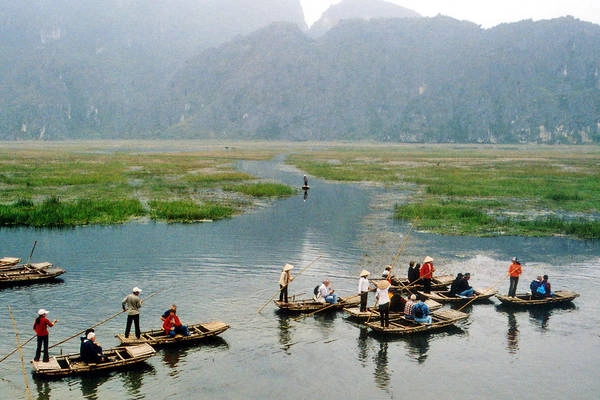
[477, 190]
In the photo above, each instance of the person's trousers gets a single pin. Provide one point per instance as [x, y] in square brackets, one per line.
[136, 320]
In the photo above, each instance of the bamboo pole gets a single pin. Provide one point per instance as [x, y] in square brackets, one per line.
[101, 322]
[31, 254]
[19, 347]
[280, 289]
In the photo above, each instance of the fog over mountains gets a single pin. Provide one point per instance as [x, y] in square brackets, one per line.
[253, 70]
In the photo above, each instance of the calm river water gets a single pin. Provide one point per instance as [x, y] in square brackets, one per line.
[228, 270]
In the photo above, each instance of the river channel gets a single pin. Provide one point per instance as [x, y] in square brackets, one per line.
[228, 270]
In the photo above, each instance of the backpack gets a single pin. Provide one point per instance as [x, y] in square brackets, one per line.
[418, 310]
[541, 289]
[316, 290]
[534, 286]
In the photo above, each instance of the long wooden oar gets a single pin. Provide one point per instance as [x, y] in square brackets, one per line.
[18, 348]
[31, 254]
[20, 352]
[485, 291]
[101, 322]
[280, 289]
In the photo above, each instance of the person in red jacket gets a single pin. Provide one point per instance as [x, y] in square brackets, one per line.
[514, 271]
[426, 273]
[172, 325]
[40, 326]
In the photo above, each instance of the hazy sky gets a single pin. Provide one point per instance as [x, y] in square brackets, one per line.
[486, 13]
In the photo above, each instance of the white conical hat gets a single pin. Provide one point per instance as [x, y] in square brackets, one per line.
[364, 272]
[287, 267]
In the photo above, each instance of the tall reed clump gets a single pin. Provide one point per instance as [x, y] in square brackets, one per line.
[53, 212]
[187, 211]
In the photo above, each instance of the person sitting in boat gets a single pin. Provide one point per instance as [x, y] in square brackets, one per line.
[454, 285]
[463, 288]
[413, 272]
[408, 307]
[168, 312]
[327, 293]
[387, 275]
[91, 352]
[538, 290]
[173, 326]
[420, 312]
[84, 338]
[547, 287]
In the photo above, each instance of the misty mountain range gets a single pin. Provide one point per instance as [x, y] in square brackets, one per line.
[241, 69]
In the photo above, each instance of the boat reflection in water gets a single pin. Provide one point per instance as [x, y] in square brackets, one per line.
[512, 334]
[382, 375]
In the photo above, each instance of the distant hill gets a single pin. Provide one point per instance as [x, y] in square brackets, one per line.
[401, 80]
[358, 9]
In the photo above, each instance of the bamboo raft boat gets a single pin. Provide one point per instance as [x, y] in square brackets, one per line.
[157, 337]
[71, 364]
[373, 314]
[9, 261]
[441, 319]
[479, 296]
[525, 300]
[311, 305]
[23, 274]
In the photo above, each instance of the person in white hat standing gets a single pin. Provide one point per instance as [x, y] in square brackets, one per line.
[132, 304]
[284, 280]
[40, 326]
[363, 289]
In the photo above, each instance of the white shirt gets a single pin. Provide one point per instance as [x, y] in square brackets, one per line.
[382, 296]
[324, 290]
[363, 284]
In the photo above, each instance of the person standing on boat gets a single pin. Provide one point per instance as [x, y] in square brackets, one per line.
[363, 289]
[383, 300]
[413, 273]
[327, 293]
[426, 273]
[410, 303]
[514, 271]
[173, 326]
[284, 280]
[40, 326]
[132, 304]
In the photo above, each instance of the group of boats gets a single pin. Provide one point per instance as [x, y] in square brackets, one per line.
[442, 317]
[130, 352]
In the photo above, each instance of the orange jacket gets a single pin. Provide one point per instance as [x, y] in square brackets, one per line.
[515, 269]
[170, 323]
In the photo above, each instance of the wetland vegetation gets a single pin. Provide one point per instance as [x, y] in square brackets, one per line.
[449, 189]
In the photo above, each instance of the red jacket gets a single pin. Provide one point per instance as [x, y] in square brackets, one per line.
[426, 271]
[170, 322]
[41, 328]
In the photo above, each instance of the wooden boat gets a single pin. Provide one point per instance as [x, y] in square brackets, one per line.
[157, 337]
[23, 274]
[71, 364]
[9, 261]
[311, 305]
[440, 282]
[441, 319]
[372, 314]
[445, 297]
[525, 300]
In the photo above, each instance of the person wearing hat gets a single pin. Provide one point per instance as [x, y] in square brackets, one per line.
[514, 271]
[383, 300]
[91, 352]
[327, 293]
[284, 280]
[132, 304]
[409, 306]
[40, 326]
[426, 273]
[363, 289]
